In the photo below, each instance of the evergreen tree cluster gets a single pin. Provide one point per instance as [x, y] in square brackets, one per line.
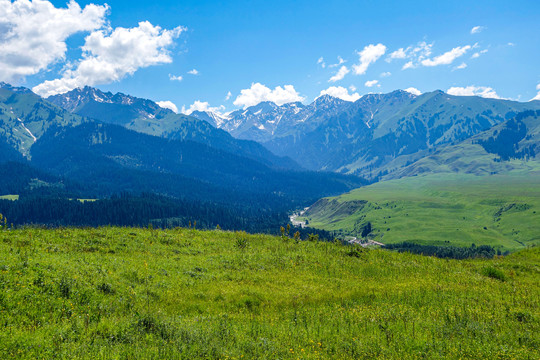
[144, 210]
[449, 252]
[505, 142]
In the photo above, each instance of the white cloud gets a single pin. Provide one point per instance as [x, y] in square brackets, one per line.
[109, 56]
[33, 34]
[168, 105]
[340, 61]
[321, 62]
[448, 57]
[537, 97]
[408, 65]
[371, 83]
[422, 50]
[228, 96]
[175, 77]
[414, 54]
[413, 91]
[477, 29]
[482, 91]
[340, 93]
[340, 74]
[511, 44]
[386, 74]
[398, 54]
[258, 93]
[352, 88]
[202, 106]
[478, 53]
[193, 72]
[368, 55]
[460, 66]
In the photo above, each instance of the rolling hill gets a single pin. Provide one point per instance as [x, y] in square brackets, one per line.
[439, 209]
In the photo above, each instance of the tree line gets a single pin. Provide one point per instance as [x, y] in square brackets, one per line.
[449, 252]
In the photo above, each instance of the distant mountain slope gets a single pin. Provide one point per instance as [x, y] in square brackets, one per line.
[379, 128]
[147, 117]
[510, 146]
[193, 160]
[366, 136]
[24, 118]
[210, 117]
[110, 156]
[267, 120]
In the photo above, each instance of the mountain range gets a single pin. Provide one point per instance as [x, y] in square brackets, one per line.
[93, 144]
[99, 144]
[375, 135]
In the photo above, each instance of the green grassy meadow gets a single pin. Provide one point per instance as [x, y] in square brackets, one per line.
[125, 293]
[440, 209]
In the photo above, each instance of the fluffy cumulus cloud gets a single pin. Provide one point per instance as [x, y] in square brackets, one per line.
[202, 106]
[340, 74]
[340, 93]
[477, 29]
[228, 96]
[259, 92]
[193, 72]
[413, 91]
[448, 57]
[460, 66]
[33, 34]
[372, 83]
[168, 105]
[321, 62]
[368, 56]
[109, 56]
[386, 74]
[482, 91]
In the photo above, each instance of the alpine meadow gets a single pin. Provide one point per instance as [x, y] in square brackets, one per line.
[269, 180]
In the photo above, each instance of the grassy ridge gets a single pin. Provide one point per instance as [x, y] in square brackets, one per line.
[501, 211]
[187, 294]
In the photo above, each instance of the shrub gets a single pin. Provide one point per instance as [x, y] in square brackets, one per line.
[241, 243]
[494, 273]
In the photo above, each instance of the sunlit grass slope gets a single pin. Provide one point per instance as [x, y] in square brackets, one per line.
[500, 210]
[121, 293]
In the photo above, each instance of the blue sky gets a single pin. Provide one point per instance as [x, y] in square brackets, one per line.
[235, 44]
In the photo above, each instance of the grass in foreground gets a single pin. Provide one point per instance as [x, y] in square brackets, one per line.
[128, 293]
[502, 211]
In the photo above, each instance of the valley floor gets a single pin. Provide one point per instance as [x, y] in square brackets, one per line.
[502, 211]
[127, 293]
